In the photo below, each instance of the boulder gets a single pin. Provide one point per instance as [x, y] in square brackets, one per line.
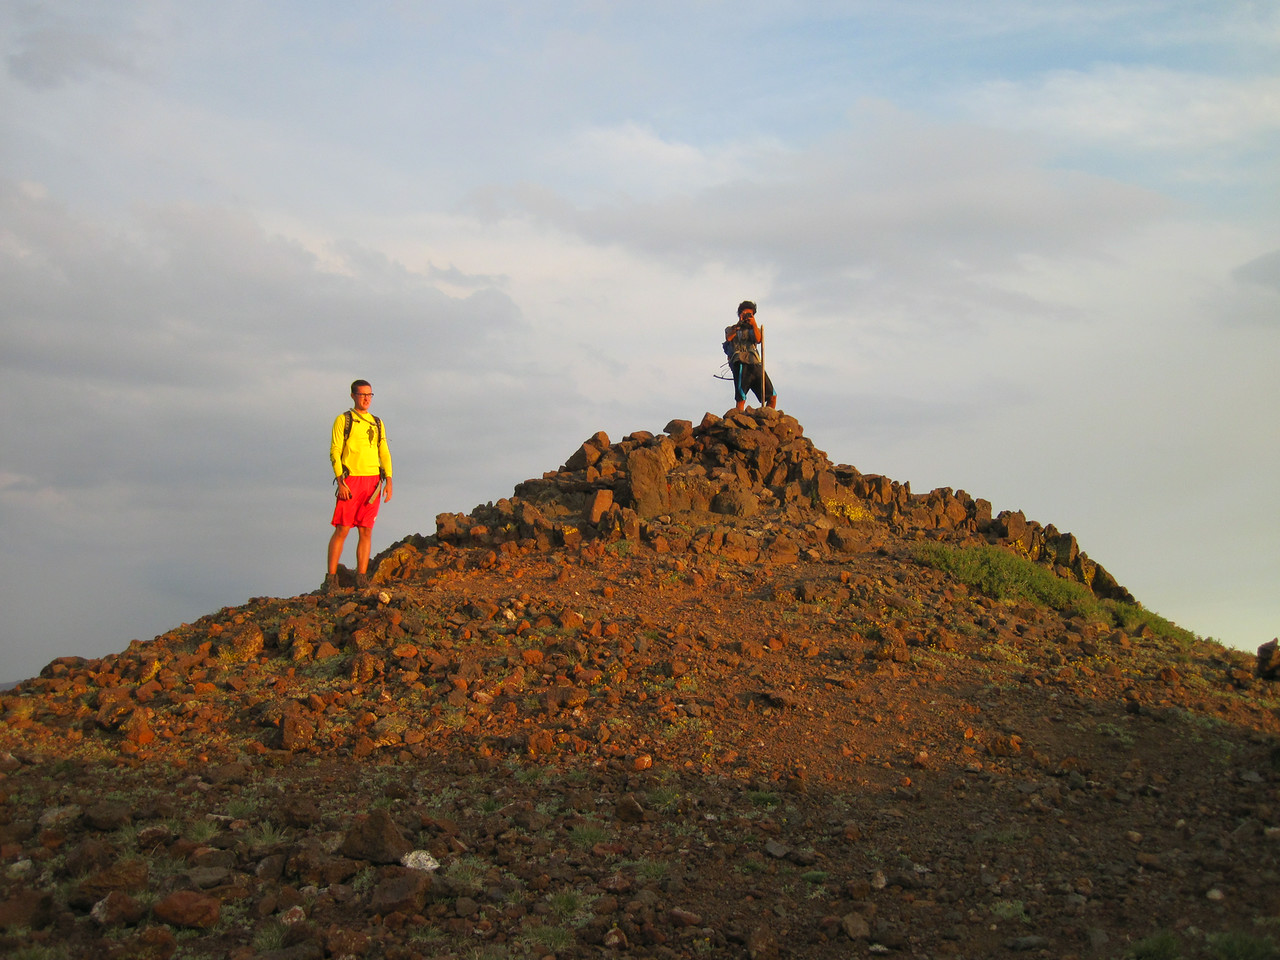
[647, 469]
[1268, 667]
[188, 908]
[375, 838]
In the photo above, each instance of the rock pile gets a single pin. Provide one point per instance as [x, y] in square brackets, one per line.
[748, 485]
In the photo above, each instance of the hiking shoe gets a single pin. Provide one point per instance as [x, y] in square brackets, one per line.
[330, 584]
[362, 581]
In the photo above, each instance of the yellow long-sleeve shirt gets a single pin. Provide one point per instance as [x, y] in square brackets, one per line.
[364, 453]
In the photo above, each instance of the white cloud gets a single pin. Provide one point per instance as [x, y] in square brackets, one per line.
[57, 53]
[631, 160]
[893, 207]
[1137, 107]
[1263, 271]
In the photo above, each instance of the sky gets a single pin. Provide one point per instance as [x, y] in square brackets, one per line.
[1030, 250]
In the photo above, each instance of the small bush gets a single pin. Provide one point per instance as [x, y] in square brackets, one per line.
[1006, 576]
[1159, 946]
[1242, 946]
[270, 936]
[587, 834]
[201, 831]
[1131, 618]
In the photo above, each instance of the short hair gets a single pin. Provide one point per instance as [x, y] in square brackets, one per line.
[356, 384]
[746, 305]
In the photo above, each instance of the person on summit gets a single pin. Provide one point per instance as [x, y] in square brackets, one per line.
[361, 471]
[746, 364]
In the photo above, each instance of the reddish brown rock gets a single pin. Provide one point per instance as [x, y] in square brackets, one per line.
[647, 469]
[405, 892]
[108, 814]
[153, 943]
[375, 838]
[296, 732]
[599, 504]
[27, 909]
[188, 908]
[117, 908]
[1268, 666]
[126, 876]
[242, 642]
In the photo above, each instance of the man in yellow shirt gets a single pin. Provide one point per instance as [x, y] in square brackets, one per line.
[361, 470]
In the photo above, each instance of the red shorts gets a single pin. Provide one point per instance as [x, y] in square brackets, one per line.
[358, 511]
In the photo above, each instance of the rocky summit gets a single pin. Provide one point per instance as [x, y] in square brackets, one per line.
[695, 694]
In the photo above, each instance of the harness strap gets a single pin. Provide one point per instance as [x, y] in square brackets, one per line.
[346, 435]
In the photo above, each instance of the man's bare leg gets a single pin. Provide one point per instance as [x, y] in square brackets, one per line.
[336, 543]
[363, 545]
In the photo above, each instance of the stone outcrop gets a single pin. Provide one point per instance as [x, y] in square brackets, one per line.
[749, 485]
[1268, 667]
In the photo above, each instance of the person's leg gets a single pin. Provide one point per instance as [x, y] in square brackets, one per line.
[336, 543]
[363, 545]
[770, 394]
[739, 388]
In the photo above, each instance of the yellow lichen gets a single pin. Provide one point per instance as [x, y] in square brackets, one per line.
[852, 512]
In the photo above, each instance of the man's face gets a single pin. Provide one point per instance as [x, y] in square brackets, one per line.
[362, 398]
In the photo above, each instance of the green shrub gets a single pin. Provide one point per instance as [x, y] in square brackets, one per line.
[1242, 946]
[1131, 618]
[1006, 576]
[587, 834]
[1159, 946]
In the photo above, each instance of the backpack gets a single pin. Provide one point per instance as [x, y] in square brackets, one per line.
[346, 433]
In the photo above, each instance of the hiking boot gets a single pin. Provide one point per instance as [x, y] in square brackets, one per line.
[330, 584]
[362, 581]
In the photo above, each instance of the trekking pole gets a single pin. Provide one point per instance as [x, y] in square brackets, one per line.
[763, 381]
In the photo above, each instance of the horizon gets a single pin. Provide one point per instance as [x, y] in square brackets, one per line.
[1032, 253]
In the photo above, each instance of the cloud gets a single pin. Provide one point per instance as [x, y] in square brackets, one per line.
[1264, 271]
[1138, 107]
[1251, 298]
[193, 322]
[55, 56]
[631, 160]
[890, 204]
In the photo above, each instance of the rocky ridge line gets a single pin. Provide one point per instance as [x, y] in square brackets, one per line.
[755, 467]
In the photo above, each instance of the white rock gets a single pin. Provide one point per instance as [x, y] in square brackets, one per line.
[19, 869]
[420, 860]
[57, 816]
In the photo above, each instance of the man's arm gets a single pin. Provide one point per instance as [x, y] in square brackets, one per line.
[337, 442]
[384, 454]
